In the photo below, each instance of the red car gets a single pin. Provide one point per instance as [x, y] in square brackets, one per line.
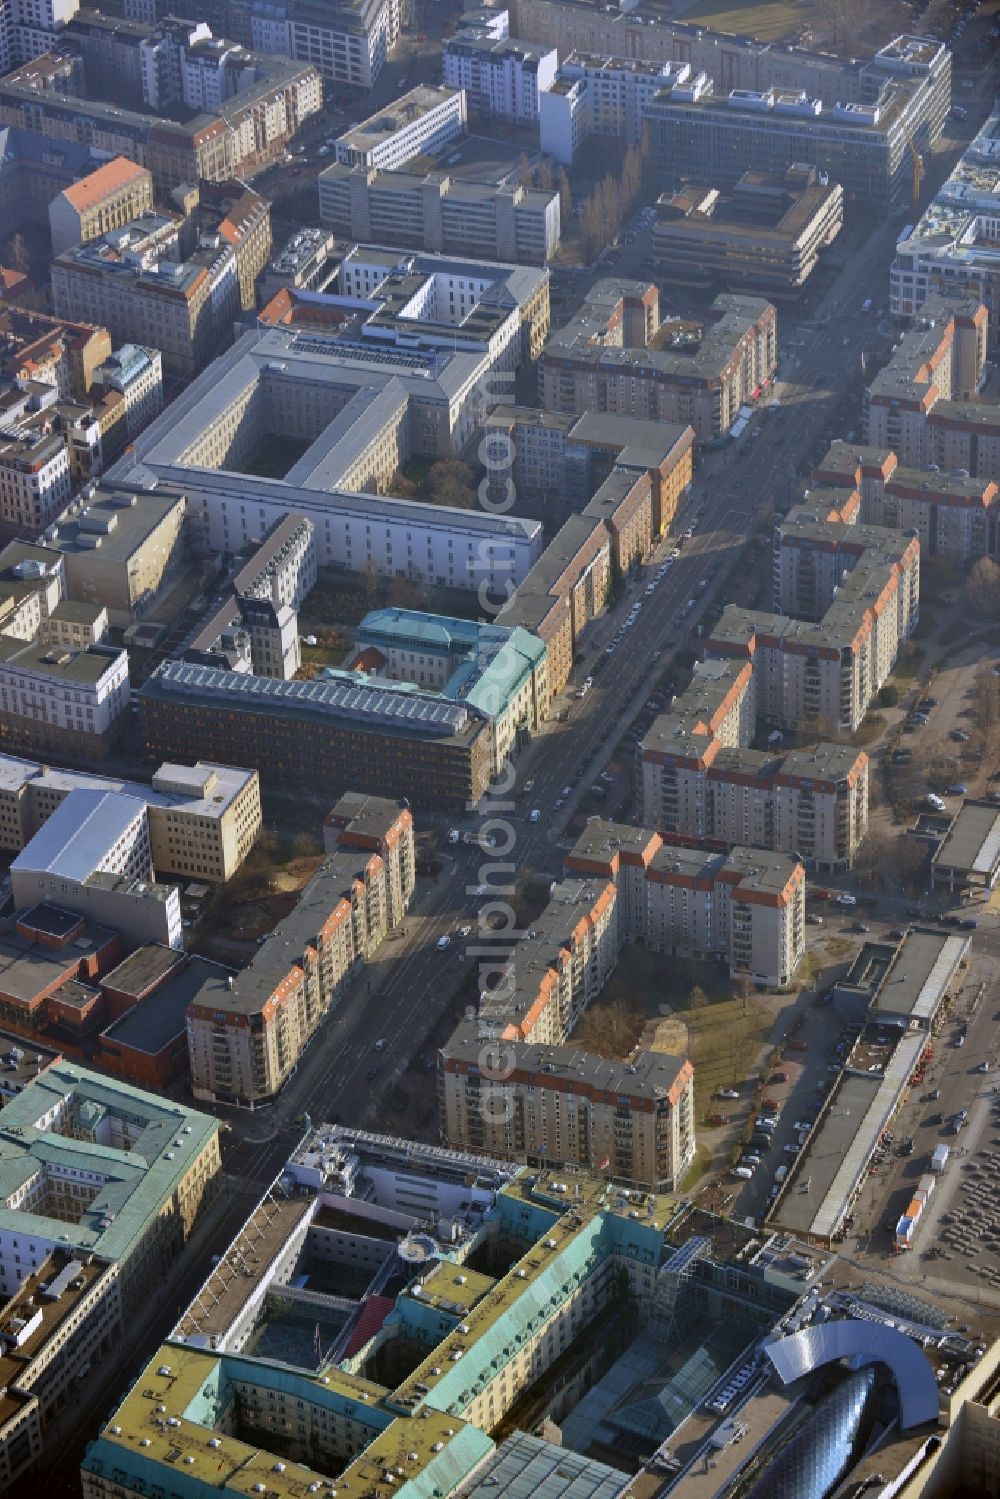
[718, 1118]
[797, 1046]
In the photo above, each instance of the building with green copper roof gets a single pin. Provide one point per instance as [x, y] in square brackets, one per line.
[93, 1166]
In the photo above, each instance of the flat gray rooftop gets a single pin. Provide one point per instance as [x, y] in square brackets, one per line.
[972, 843]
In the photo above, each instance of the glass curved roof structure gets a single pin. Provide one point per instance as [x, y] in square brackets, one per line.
[848, 1337]
[823, 1449]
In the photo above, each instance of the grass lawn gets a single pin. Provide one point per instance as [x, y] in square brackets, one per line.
[322, 655]
[724, 1039]
[768, 20]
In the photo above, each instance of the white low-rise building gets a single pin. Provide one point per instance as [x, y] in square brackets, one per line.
[417, 122]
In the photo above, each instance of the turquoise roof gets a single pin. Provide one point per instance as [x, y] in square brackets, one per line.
[133, 1184]
[489, 662]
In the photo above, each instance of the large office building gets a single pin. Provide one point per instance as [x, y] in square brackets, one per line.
[443, 701]
[133, 281]
[616, 356]
[106, 199]
[432, 210]
[327, 733]
[202, 819]
[500, 671]
[92, 858]
[732, 60]
[765, 235]
[951, 247]
[765, 1357]
[869, 148]
[245, 1043]
[55, 699]
[102, 1186]
[403, 364]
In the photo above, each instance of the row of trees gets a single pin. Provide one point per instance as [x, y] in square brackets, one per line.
[616, 197]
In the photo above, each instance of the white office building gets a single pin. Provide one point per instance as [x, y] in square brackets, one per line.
[422, 120]
[604, 96]
[501, 77]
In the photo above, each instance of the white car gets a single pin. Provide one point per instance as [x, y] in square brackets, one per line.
[381, 1043]
[454, 835]
[465, 931]
[846, 900]
[443, 942]
[566, 791]
[728, 1093]
[534, 815]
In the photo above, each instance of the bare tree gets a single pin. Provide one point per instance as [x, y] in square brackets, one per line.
[982, 588]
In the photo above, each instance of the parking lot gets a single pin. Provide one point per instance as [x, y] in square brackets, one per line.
[970, 1230]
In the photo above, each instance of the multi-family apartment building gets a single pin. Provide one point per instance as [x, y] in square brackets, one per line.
[59, 699]
[130, 282]
[251, 128]
[811, 802]
[35, 483]
[923, 404]
[747, 906]
[420, 121]
[594, 94]
[560, 1104]
[502, 76]
[244, 1047]
[616, 356]
[106, 199]
[387, 380]
[765, 235]
[635, 472]
[954, 515]
[856, 595]
[255, 628]
[52, 351]
[347, 41]
[202, 819]
[950, 248]
[434, 211]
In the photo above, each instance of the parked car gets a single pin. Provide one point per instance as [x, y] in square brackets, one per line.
[843, 899]
[797, 1046]
[957, 790]
[718, 1119]
[727, 1093]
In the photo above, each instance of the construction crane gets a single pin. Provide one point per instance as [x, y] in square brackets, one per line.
[918, 168]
